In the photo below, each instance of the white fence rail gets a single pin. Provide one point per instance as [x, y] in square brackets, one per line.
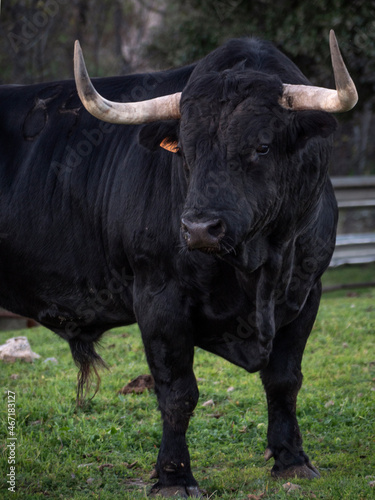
[357, 193]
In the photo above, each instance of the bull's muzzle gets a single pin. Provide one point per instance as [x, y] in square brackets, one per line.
[203, 235]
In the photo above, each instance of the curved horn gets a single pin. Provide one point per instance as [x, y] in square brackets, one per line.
[344, 98]
[131, 113]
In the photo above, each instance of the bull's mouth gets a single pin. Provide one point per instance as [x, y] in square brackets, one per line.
[221, 249]
[236, 257]
[209, 250]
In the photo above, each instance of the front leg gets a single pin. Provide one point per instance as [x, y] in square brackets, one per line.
[282, 379]
[168, 339]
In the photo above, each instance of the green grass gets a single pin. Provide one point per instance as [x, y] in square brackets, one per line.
[108, 449]
[349, 275]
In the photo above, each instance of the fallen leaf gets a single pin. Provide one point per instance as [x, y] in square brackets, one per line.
[138, 385]
[103, 466]
[329, 403]
[132, 465]
[210, 402]
[255, 497]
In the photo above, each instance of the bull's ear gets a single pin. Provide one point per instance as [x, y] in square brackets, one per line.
[312, 124]
[164, 134]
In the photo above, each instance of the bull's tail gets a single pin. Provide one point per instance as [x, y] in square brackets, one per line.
[88, 362]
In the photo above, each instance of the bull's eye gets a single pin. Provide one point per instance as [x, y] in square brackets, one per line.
[263, 149]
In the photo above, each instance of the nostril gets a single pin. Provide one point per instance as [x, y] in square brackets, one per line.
[216, 228]
[184, 224]
[184, 228]
[205, 234]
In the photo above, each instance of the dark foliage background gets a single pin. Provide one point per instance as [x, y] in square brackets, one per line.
[122, 36]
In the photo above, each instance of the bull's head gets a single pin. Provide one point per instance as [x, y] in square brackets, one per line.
[235, 135]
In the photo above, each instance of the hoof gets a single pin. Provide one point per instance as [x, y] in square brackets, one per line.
[307, 471]
[176, 491]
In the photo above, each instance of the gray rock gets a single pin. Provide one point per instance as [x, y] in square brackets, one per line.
[17, 348]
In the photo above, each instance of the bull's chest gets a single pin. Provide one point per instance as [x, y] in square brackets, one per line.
[239, 322]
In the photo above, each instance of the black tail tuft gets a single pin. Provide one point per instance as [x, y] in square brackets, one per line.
[88, 361]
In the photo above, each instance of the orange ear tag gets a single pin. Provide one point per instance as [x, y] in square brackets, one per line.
[169, 145]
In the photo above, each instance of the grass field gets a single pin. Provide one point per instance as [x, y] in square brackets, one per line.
[108, 450]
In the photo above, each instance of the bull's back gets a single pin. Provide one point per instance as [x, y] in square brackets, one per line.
[60, 170]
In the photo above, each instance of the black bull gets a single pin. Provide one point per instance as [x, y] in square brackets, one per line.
[219, 245]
